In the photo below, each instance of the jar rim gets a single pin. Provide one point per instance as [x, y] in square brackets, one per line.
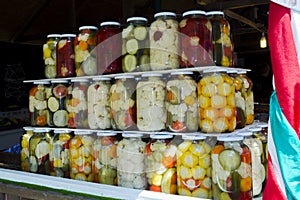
[184, 72]
[59, 81]
[41, 82]
[106, 133]
[82, 132]
[68, 35]
[152, 75]
[137, 19]
[194, 12]
[110, 23]
[161, 136]
[28, 128]
[132, 135]
[53, 35]
[77, 80]
[88, 27]
[101, 79]
[62, 131]
[193, 137]
[124, 76]
[230, 138]
[164, 14]
[215, 13]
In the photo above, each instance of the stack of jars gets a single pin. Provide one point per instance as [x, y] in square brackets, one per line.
[166, 44]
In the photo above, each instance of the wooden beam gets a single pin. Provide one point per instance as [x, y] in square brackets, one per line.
[242, 19]
[30, 19]
[234, 4]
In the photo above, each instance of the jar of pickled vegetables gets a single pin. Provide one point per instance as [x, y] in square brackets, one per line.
[249, 97]
[161, 164]
[65, 61]
[77, 103]
[239, 98]
[49, 55]
[38, 103]
[194, 170]
[131, 161]
[57, 103]
[221, 39]
[258, 168]
[163, 36]
[231, 169]
[99, 116]
[85, 52]
[123, 103]
[258, 134]
[105, 158]
[81, 148]
[60, 153]
[39, 150]
[109, 48]
[217, 104]
[24, 153]
[151, 108]
[195, 40]
[182, 103]
[135, 49]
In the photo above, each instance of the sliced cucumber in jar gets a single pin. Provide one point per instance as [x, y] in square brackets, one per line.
[132, 46]
[127, 32]
[130, 63]
[230, 160]
[140, 33]
[53, 104]
[60, 118]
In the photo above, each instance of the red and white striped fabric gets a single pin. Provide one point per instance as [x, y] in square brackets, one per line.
[284, 41]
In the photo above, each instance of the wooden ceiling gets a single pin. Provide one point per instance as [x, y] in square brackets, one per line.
[29, 21]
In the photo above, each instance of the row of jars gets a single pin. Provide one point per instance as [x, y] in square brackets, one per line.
[218, 103]
[191, 165]
[199, 39]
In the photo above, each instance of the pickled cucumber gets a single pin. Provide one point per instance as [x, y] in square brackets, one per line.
[140, 33]
[132, 46]
[130, 63]
[230, 160]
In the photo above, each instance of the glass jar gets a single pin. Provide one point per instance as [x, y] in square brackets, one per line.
[161, 164]
[221, 39]
[264, 128]
[77, 103]
[99, 116]
[85, 52]
[135, 49]
[109, 48]
[60, 153]
[123, 103]
[239, 98]
[231, 169]
[258, 168]
[258, 134]
[81, 148]
[38, 104]
[195, 40]
[131, 161]
[163, 37]
[49, 55]
[182, 103]
[217, 104]
[249, 97]
[39, 150]
[24, 153]
[194, 170]
[151, 109]
[105, 158]
[65, 61]
[57, 103]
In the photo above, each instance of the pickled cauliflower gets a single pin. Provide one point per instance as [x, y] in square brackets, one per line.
[151, 111]
[164, 44]
[130, 163]
[98, 105]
